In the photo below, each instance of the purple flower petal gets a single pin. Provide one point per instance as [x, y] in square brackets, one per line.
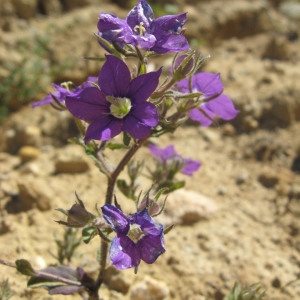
[114, 77]
[135, 127]
[223, 107]
[161, 35]
[90, 79]
[163, 154]
[190, 166]
[63, 91]
[116, 218]
[142, 12]
[143, 86]
[151, 247]
[48, 99]
[145, 113]
[166, 29]
[112, 28]
[141, 214]
[88, 105]
[146, 41]
[165, 25]
[103, 129]
[207, 83]
[197, 115]
[171, 43]
[151, 227]
[123, 253]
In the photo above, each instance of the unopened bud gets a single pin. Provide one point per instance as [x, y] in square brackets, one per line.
[183, 65]
[78, 215]
[151, 205]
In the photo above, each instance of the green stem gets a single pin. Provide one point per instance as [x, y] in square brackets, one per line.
[109, 199]
[163, 89]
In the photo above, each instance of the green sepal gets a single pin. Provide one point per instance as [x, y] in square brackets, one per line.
[68, 224]
[173, 186]
[143, 69]
[42, 283]
[62, 211]
[109, 46]
[88, 234]
[24, 267]
[168, 229]
[160, 192]
[126, 139]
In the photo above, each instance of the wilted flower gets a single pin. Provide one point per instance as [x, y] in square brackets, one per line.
[168, 156]
[161, 35]
[138, 237]
[215, 103]
[64, 90]
[120, 104]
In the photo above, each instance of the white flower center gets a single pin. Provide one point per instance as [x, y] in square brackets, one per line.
[120, 107]
[135, 233]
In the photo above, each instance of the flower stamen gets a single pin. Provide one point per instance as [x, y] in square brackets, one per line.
[120, 107]
[140, 28]
[135, 233]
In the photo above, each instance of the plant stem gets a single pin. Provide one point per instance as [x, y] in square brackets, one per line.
[108, 200]
[7, 263]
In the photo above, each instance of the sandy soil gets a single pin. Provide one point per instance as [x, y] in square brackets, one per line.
[244, 201]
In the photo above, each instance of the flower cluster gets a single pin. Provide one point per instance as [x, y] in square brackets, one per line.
[161, 35]
[131, 100]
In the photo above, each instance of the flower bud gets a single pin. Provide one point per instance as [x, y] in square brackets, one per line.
[183, 65]
[151, 205]
[77, 216]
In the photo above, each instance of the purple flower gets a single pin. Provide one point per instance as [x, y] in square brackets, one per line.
[215, 103]
[168, 156]
[138, 237]
[161, 35]
[62, 92]
[119, 105]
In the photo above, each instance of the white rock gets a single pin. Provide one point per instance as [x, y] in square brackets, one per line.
[187, 207]
[71, 160]
[150, 289]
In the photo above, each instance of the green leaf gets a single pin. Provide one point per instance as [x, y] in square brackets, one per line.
[126, 139]
[50, 279]
[88, 233]
[40, 282]
[176, 186]
[160, 192]
[62, 211]
[24, 267]
[114, 146]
